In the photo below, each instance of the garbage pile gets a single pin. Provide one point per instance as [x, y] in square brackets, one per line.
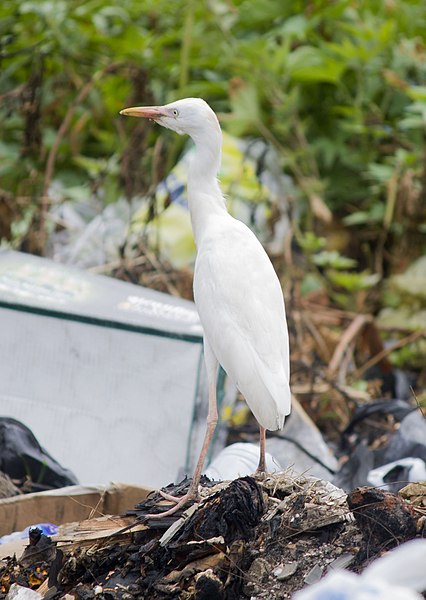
[357, 433]
[249, 538]
[282, 536]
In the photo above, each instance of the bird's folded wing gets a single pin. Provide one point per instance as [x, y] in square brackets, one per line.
[239, 299]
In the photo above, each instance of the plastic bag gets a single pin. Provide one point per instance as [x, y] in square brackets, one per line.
[21, 456]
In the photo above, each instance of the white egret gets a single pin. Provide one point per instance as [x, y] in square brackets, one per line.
[236, 290]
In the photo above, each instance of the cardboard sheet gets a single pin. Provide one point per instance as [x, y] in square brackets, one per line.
[66, 505]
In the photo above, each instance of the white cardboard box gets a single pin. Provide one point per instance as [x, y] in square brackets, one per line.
[109, 376]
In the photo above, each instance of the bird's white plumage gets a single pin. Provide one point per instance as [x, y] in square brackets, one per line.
[236, 290]
[241, 308]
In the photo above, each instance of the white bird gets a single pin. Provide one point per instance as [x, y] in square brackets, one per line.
[236, 290]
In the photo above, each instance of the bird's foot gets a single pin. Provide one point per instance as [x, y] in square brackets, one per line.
[260, 473]
[179, 503]
[171, 498]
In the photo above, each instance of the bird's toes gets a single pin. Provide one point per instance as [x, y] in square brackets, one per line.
[260, 474]
[170, 497]
[179, 504]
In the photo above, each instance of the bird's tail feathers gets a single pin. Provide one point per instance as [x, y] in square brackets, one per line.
[270, 402]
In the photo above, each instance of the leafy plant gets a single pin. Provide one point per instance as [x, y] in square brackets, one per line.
[332, 273]
[337, 87]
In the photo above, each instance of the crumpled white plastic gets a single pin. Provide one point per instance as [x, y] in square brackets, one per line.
[417, 472]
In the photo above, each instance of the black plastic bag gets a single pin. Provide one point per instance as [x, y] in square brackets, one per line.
[408, 441]
[22, 458]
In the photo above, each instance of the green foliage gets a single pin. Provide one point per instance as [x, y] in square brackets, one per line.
[404, 309]
[333, 273]
[339, 88]
[333, 259]
[311, 243]
[404, 299]
[411, 354]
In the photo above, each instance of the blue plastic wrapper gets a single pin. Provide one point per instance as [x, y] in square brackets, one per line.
[46, 528]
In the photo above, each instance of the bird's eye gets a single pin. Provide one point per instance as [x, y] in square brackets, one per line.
[175, 112]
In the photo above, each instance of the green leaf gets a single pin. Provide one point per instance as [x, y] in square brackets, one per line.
[311, 243]
[374, 215]
[311, 283]
[417, 93]
[333, 259]
[353, 282]
[309, 64]
[296, 27]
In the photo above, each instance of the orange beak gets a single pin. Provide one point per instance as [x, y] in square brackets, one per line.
[149, 112]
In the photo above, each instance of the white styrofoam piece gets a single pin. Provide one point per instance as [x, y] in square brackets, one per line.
[238, 460]
[18, 592]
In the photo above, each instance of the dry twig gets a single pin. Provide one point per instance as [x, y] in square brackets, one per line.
[381, 355]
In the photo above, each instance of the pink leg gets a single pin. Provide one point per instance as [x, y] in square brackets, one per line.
[262, 462]
[212, 417]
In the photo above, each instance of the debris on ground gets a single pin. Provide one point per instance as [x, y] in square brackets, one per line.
[263, 537]
[384, 445]
[384, 518]
[7, 487]
[398, 575]
[357, 422]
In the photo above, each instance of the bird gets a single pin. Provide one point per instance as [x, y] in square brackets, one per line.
[237, 292]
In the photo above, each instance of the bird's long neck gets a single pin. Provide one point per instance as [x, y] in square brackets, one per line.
[204, 195]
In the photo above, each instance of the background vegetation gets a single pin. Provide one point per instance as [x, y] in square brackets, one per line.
[337, 87]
